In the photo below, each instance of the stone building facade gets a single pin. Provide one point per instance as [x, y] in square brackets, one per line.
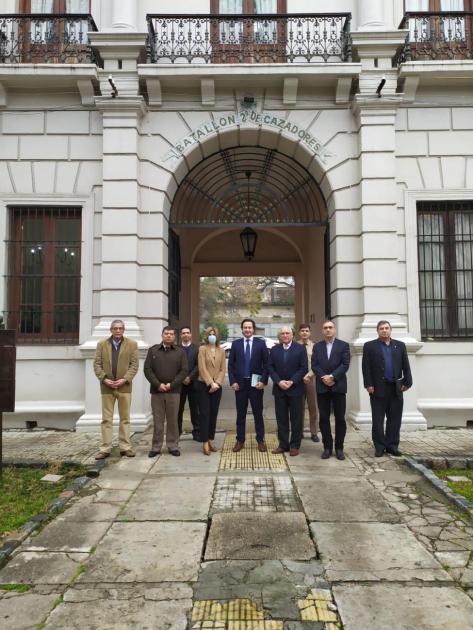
[135, 147]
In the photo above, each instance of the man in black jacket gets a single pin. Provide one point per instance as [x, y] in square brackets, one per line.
[165, 368]
[386, 375]
[330, 362]
[188, 389]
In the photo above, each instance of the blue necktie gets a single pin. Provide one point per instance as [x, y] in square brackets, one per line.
[284, 354]
[247, 359]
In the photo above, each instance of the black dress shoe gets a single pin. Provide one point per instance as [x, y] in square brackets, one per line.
[340, 454]
[394, 451]
[379, 453]
[326, 454]
[154, 453]
[314, 437]
[175, 451]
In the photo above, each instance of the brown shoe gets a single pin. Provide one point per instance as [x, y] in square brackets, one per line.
[293, 452]
[262, 447]
[278, 451]
[212, 446]
[238, 446]
[102, 455]
[128, 453]
[205, 448]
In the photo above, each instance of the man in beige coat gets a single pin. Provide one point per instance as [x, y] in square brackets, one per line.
[115, 365]
[309, 384]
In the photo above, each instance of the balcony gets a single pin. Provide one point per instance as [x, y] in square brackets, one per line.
[437, 36]
[243, 39]
[40, 38]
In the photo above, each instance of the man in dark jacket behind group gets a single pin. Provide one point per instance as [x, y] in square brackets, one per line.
[165, 368]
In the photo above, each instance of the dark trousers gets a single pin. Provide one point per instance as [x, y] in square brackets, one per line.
[289, 413]
[338, 402]
[189, 392]
[255, 397]
[390, 405]
[208, 410]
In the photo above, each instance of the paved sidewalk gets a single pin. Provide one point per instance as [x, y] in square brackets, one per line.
[39, 446]
[250, 541]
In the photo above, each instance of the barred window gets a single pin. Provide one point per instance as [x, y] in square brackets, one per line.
[445, 249]
[43, 278]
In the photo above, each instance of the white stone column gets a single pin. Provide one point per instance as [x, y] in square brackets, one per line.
[124, 15]
[118, 227]
[371, 15]
[381, 297]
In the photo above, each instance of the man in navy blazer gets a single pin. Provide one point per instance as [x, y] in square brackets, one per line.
[386, 376]
[288, 364]
[248, 375]
[330, 363]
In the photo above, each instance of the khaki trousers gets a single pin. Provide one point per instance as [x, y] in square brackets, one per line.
[108, 404]
[165, 408]
[312, 405]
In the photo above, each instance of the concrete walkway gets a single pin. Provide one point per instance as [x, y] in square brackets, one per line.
[248, 541]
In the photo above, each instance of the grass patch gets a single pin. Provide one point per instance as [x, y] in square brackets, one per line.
[17, 588]
[22, 494]
[465, 488]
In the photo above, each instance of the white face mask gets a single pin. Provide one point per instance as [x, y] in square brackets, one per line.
[212, 339]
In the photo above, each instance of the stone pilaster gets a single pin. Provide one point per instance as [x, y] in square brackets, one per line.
[371, 15]
[119, 227]
[381, 297]
[124, 15]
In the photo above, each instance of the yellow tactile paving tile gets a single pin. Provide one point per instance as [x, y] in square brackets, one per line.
[235, 610]
[249, 458]
[243, 614]
[316, 607]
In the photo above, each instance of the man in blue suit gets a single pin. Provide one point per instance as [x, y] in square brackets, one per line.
[330, 363]
[288, 365]
[248, 374]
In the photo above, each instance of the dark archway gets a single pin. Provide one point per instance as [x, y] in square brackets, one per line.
[248, 185]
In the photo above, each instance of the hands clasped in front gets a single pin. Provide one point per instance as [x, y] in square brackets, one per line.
[114, 384]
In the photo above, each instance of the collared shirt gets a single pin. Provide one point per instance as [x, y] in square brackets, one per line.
[250, 339]
[117, 344]
[186, 345]
[165, 348]
[388, 360]
[287, 346]
[329, 345]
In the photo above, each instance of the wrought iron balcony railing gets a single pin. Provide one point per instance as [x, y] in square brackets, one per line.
[46, 38]
[289, 38]
[442, 35]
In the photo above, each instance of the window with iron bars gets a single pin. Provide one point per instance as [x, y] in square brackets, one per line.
[44, 252]
[445, 251]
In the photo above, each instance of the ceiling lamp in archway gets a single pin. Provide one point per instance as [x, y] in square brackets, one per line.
[248, 186]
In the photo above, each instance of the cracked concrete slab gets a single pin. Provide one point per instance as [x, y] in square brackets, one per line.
[147, 552]
[25, 610]
[403, 607]
[112, 496]
[123, 480]
[332, 501]
[373, 552]
[31, 567]
[171, 498]
[121, 615]
[81, 593]
[262, 536]
[310, 460]
[64, 535]
[194, 462]
[88, 509]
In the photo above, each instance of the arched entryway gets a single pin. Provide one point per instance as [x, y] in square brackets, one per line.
[257, 187]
